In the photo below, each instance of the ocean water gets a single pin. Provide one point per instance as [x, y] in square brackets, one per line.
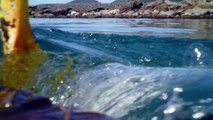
[132, 69]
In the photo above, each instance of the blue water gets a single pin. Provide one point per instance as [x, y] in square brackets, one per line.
[133, 69]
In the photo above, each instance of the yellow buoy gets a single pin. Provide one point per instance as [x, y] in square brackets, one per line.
[22, 55]
[16, 32]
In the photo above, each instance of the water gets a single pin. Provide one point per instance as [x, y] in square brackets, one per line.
[133, 69]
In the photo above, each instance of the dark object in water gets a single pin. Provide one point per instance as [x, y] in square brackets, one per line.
[18, 104]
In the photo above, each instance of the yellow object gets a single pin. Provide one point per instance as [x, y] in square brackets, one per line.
[16, 33]
[22, 60]
[22, 54]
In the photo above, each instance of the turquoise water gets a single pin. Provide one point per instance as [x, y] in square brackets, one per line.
[134, 69]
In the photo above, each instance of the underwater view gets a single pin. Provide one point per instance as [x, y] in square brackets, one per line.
[130, 69]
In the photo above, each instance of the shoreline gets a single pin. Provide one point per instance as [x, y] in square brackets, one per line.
[126, 17]
[154, 10]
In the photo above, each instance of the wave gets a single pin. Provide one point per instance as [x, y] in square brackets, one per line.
[137, 77]
[126, 91]
[131, 49]
[127, 76]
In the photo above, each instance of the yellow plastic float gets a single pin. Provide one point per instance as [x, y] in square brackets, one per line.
[16, 33]
[19, 45]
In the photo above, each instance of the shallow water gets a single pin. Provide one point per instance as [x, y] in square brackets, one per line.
[134, 69]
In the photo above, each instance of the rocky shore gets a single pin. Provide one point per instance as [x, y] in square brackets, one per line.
[158, 9]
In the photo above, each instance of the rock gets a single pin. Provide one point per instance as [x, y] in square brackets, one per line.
[38, 15]
[108, 13]
[196, 11]
[181, 8]
[161, 7]
[155, 12]
[90, 14]
[209, 14]
[32, 10]
[97, 9]
[135, 14]
[84, 15]
[73, 14]
[166, 13]
[128, 14]
[200, 2]
[185, 6]
[134, 5]
[168, 2]
[47, 10]
[97, 14]
[62, 12]
[147, 13]
[151, 5]
[114, 11]
[178, 13]
[48, 15]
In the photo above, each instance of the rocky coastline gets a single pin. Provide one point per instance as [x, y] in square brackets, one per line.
[158, 9]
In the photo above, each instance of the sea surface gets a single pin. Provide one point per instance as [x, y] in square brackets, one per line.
[133, 69]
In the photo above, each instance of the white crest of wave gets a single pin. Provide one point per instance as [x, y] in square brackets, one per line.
[117, 89]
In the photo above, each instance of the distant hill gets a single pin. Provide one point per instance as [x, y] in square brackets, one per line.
[83, 1]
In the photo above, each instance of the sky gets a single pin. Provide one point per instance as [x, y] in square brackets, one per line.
[35, 2]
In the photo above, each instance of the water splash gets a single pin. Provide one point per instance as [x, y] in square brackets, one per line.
[118, 89]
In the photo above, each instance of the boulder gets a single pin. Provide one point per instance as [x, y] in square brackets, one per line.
[97, 9]
[196, 11]
[184, 7]
[90, 14]
[38, 15]
[108, 13]
[166, 13]
[62, 12]
[209, 14]
[98, 14]
[47, 10]
[136, 14]
[134, 5]
[32, 10]
[168, 2]
[84, 15]
[155, 12]
[114, 11]
[161, 7]
[147, 13]
[73, 14]
[151, 5]
[48, 15]
[178, 13]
